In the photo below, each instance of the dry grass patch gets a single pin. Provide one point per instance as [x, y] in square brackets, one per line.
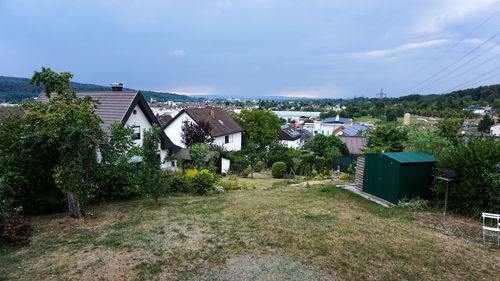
[288, 232]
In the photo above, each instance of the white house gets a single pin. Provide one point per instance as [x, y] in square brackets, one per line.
[223, 128]
[289, 137]
[129, 109]
[495, 129]
[329, 126]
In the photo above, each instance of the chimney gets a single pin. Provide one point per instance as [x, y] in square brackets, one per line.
[116, 87]
[337, 118]
[212, 112]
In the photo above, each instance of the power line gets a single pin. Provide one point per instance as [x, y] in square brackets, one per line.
[492, 73]
[464, 72]
[460, 41]
[433, 83]
[459, 60]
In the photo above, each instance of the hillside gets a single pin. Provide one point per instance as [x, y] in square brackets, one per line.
[14, 90]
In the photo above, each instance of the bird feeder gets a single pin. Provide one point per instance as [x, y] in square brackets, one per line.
[448, 175]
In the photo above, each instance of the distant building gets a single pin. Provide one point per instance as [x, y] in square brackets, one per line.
[354, 130]
[289, 137]
[495, 129]
[223, 128]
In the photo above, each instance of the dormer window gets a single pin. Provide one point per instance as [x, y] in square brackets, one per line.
[136, 135]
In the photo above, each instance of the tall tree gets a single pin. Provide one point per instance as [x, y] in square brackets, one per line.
[485, 124]
[327, 146]
[449, 128]
[262, 127]
[153, 175]
[68, 122]
[388, 138]
[193, 133]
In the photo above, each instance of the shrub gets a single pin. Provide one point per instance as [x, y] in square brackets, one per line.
[246, 172]
[414, 204]
[177, 182]
[471, 194]
[15, 228]
[231, 183]
[257, 167]
[202, 182]
[278, 170]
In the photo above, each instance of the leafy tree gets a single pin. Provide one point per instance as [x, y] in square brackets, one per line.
[261, 127]
[253, 155]
[68, 122]
[327, 146]
[153, 179]
[424, 140]
[119, 177]
[387, 138]
[449, 128]
[203, 157]
[485, 124]
[193, 133]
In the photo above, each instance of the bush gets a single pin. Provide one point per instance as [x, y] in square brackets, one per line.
[231, 183]
[257, 167]
[202, 182]
[15, 228]
[246, 172]
[177, 182]
[278, 170]
[415, 204]
[471, 194]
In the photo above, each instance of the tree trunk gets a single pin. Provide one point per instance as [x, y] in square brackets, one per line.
[72, 205]
[251, 172]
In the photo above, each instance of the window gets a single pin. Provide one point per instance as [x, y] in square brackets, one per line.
[137, 133]
[228, 139]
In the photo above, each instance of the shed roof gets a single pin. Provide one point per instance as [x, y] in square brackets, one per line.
[410, 157]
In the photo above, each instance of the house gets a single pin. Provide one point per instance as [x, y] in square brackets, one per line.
[223, 128]
[289, 137]
[130, 109]
[305, 136]
[329, 126]
[495, 130]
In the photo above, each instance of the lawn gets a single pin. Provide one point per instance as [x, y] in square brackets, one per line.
[287, 232]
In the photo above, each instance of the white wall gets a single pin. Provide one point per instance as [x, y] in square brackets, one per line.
[174, 133]
[291, 144]
[234, 142]
[495, 130]
[140, 119]
[174, 129]
[225, 165]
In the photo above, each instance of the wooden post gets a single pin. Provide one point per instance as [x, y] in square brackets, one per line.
[446, 197]
[72, 205]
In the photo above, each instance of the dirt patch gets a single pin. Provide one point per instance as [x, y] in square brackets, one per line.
[461, 227]
[268, 267]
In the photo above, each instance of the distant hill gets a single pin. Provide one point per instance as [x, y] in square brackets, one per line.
[14, 90]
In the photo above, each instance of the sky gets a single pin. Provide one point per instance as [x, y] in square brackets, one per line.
[314, 48]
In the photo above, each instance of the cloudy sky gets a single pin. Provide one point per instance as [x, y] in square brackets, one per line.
[315, 48]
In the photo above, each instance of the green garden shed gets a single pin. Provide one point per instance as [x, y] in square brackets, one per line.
[396, 175]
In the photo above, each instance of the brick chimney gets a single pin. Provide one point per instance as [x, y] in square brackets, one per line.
[116, 87]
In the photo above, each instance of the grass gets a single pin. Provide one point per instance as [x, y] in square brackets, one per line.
[320, 229]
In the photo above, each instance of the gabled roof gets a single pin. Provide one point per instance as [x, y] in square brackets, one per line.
[337, 120]
[116, 106]
[354, 144]
[288, 134]
[221, 123]
[338, 130]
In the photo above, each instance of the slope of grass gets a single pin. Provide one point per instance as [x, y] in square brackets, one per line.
[295, 232]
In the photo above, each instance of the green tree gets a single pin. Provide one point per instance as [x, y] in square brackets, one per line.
[449, 128]
[203, 157]
[327, 146]
[485, 124]
[68, 122]
[388, 138]
[424, 140]
[261, 127]
[253, 155]
[153, 176]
